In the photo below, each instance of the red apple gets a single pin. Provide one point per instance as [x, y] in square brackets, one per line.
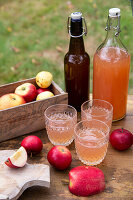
[32, 144]
[27, 91]
[86, 180]
[18, 159]
[59, 157]
[40, 90]
[10, 100]
[121, 139]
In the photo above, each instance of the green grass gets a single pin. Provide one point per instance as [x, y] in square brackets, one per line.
[38, 29]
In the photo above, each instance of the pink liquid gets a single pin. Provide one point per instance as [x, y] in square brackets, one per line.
[90, 147]
[110, 78]
[61, 131]
[98, 113]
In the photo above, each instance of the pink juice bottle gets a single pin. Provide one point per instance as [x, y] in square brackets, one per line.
[111, 66]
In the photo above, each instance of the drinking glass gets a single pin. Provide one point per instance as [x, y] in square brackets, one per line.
[60, 120]
[91, 141]
[97, 109]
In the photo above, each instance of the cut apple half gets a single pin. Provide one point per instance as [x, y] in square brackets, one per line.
[18, 159]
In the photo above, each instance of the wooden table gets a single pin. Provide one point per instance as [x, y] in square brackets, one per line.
[117, 168]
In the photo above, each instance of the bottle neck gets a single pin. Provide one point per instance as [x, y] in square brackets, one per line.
[76, 45]
[113, 26]
[76, 27]
[112, 38]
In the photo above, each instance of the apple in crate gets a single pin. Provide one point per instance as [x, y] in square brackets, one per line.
[44, 79]
[44, 95]
[11, 100]
[27, 91]
[18, 159]
[40, 90]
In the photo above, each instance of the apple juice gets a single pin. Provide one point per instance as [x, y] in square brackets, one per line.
[114, 63]
[60, 131]
[91, 148]
[99, 114]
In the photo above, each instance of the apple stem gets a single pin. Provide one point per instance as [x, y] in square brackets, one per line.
[65, 181]
[122, 130]
[31, 155]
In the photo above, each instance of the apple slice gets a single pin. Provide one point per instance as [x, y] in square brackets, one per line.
[18, 159]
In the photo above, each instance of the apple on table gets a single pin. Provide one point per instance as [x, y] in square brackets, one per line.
[32, 144]
[121, 139]
[59, 157]
[86, 180]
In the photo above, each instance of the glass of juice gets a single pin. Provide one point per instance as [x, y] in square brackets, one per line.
[60, 120]
[91, 141]
[97, 109]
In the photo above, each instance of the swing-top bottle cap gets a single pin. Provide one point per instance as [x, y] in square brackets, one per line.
[114, 12]
[76, 15]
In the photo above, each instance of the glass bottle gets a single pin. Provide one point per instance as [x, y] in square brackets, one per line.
[77, 63]
[111, 66]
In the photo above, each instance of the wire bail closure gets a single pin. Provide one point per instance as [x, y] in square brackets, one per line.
[84, 28]
[116, 28]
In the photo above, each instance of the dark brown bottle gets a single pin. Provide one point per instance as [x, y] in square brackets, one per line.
[77, 64]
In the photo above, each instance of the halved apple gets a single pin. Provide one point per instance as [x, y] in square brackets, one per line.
[18, 159]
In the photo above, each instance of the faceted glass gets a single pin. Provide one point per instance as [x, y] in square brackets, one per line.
[91, 141]
[97, 109]
[60, 120]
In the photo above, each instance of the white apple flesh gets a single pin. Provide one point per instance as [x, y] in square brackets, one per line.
[18, 159]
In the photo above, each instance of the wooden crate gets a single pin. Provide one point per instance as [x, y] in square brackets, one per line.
[28, 117]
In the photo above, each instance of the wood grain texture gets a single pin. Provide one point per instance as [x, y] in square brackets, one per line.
[14, 181]
[117, 168]
[28, 117]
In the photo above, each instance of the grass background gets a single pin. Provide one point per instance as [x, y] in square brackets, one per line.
[33, 35]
